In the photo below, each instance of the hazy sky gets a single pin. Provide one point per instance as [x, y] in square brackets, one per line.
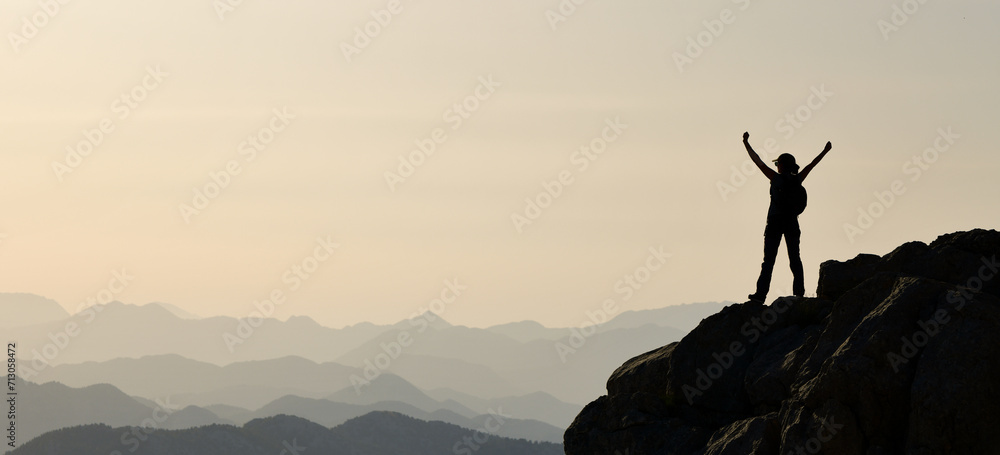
[179, 86]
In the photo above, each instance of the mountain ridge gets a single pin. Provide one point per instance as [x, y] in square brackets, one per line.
[51, 406]
[376, 433]
[23, 309]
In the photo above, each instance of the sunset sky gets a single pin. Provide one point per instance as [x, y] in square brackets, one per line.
[334, 99]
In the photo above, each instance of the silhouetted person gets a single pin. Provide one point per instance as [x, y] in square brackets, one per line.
[787, 202]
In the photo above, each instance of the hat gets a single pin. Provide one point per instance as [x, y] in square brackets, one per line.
[786, 160]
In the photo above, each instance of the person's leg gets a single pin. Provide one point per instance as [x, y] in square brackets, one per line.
[792, 237]
[772, 239]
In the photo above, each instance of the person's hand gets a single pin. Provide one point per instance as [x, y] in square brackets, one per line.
[746, 136]
[828, 146]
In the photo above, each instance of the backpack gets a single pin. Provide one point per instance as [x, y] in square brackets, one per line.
[794, 196]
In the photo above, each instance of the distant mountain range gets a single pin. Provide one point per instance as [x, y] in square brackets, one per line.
[508, 360]
[46, 407]
[329, 413]
[189, 381]
[118, 330]
[682, 317]
[250, 385]
[376, 433]
[128, 357]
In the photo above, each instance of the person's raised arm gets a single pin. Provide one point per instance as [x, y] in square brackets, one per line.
[815, 161]
[768, 172]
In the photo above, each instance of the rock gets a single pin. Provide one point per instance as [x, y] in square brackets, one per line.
[755, 435]
[953, 258]
[836, 278]
[897, 354]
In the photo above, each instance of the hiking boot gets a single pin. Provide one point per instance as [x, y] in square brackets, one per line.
[757, 298]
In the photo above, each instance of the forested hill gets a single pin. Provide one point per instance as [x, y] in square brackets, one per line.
[376, 433]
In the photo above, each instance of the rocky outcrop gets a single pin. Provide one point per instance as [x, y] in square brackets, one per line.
[897, 354]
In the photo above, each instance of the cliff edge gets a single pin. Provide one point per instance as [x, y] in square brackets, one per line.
[897, 354]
